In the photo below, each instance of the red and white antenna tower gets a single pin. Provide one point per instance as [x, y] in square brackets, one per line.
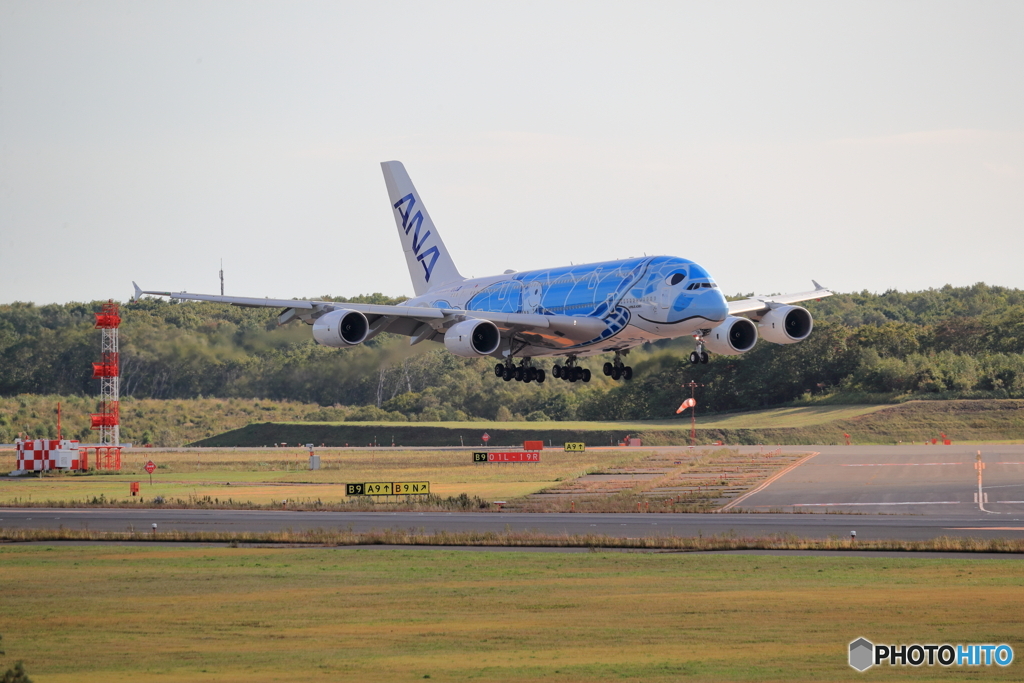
[108, 420]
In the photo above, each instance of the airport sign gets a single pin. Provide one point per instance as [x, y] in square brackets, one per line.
[388, 488]
[518, 456]
[575, 446]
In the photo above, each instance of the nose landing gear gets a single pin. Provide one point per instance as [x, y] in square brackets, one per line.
[700, 355]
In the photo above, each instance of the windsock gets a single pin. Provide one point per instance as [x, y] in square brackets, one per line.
[688, 403]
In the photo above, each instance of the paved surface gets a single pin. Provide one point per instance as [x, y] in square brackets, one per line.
[938, 481]
[901, 492]
[909, 527]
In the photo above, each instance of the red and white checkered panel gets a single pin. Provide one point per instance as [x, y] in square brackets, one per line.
[39, 455]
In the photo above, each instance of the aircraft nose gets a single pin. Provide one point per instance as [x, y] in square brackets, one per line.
[718, 307]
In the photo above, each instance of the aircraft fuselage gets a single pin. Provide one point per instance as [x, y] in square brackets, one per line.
[640, 300]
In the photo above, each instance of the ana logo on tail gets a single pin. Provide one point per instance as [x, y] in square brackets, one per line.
[417, 243]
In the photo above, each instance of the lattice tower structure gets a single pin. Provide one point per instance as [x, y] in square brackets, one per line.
[108, 371]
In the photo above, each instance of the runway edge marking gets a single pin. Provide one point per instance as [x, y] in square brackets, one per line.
[765, 484]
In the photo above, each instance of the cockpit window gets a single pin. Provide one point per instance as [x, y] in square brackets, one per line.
[677, 277]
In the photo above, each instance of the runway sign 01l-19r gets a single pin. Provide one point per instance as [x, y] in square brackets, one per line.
[506, 457]
[388, 488]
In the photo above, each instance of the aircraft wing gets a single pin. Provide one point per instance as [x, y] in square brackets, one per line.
[762, 304]
[410, 320]
[302, 304]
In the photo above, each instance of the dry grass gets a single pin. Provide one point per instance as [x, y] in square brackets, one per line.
[264, 478]
[231, 479]
[531, 539]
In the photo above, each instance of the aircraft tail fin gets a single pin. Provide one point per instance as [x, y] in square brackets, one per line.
[430, 265]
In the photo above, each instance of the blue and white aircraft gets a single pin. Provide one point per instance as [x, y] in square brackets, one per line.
[568, 312]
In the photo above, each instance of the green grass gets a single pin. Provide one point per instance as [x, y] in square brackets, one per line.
[913, 421]
[799, 416]
[783, 418]
[87, 613]
[170, 422]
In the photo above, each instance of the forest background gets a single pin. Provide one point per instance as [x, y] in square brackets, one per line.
[946, 343]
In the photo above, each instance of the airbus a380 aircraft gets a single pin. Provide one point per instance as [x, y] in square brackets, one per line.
[568, 312]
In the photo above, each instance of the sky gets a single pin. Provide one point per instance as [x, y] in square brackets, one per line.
[866, 145]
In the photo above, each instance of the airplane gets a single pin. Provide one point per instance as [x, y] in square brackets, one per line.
[569, 312]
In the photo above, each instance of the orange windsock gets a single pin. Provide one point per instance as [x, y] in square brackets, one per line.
[688, 403]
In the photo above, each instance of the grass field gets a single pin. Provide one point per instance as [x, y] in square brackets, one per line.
[798, 416]
[263, 477]
[88, 613]
[914, 421]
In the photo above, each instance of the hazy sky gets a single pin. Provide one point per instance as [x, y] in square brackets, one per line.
[868, 145]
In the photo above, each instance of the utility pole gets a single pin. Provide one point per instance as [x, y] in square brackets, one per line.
[693, 411]
[222, 277]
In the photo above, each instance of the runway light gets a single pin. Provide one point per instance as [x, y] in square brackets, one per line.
[853, 535]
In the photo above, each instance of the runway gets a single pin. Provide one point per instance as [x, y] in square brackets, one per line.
[882, 492]
[921, 480]
[871, 526]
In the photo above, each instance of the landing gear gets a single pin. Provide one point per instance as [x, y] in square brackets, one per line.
[524, 372]
[571, 372]
[700, 355]
[616, 370]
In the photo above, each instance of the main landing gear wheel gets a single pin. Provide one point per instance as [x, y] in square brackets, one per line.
[570, 372]
[617, 370]
[524, 372]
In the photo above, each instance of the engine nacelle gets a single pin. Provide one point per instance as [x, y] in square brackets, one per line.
[473, 338]
[732, 337]
[786, 325]
[341, 328]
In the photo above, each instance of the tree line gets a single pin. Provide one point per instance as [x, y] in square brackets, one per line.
[951, 342]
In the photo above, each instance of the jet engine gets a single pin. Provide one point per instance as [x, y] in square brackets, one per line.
[732, 337]
[786, 325]
[341, 328]
[473, 338]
